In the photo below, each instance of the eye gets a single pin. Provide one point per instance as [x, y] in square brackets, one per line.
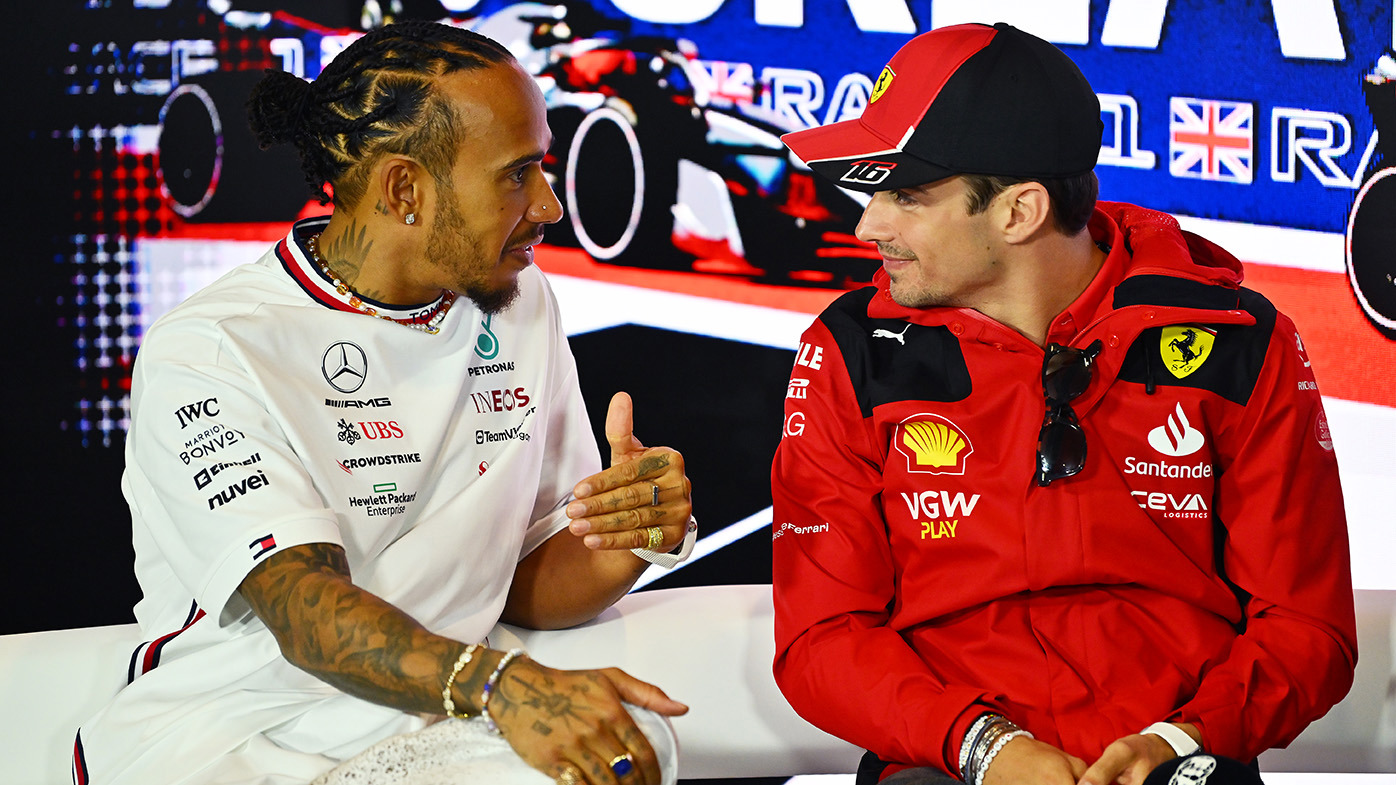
[902, 197]
[517, 175]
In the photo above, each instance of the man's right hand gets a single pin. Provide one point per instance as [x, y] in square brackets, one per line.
[559, 720]
[1025, 761]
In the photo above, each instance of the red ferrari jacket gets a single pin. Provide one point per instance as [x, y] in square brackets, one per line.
[1196, 570]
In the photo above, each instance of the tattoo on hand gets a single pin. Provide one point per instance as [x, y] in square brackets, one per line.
[544, 698]
[653, 463]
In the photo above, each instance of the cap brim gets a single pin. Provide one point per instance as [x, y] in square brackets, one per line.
[853, 157]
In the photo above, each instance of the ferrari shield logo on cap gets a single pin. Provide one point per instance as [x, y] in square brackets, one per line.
[884, 81]
[1184, 348]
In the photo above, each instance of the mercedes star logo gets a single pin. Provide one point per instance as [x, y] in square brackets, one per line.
[345, 366]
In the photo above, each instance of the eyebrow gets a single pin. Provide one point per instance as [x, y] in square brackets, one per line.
[527, 158]
[521, 160]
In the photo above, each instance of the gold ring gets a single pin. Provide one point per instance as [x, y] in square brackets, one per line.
[569, 775]
[656, 536]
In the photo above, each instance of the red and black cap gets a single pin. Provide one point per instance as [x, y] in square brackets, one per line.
[967, 99]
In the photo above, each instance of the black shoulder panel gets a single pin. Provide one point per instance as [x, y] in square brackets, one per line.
[1237, 351]
[891, 360]
[1177, 292]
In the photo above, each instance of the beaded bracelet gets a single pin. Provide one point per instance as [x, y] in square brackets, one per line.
[490, 684]
[994, 751]
[985, 741]
[971, 738]
[447, 701]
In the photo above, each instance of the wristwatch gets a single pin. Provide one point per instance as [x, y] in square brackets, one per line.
[1177, 738]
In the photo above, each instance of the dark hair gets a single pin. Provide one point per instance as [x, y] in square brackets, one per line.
[1073, 198]
[377, 97]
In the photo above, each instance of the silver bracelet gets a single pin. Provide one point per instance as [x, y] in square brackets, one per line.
[996, 727]
[994, 751]
[972, 736]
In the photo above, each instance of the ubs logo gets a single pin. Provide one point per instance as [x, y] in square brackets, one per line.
[345, 366]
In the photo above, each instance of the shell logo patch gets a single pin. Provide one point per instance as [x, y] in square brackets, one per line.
[932, 444]
[1184, 348]
[884, 81]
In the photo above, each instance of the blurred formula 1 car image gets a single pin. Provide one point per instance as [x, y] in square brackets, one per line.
[656, 169]
[655, 166]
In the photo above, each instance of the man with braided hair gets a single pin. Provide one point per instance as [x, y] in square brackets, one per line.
[349, 460]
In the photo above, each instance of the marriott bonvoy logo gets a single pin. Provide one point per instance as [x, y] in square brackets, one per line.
[932, 444]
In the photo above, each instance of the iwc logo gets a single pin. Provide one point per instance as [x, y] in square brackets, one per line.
[932, 444]
[1185, 348]
[345, 366]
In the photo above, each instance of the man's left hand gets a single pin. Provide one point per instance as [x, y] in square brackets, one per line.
[1129, 760]
[645, 487]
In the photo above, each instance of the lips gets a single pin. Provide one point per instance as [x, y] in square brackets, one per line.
[524, 250]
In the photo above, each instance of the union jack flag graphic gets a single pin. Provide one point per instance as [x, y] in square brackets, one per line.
[1211, 140]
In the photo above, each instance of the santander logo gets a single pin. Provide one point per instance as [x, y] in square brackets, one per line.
[1177, 438]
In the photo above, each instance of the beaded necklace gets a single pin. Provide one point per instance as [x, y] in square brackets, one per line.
[431, 327]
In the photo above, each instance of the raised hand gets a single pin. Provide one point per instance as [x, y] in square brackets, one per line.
[644, 490]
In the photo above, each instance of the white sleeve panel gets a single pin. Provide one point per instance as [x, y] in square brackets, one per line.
[210, 475]
[570, 452]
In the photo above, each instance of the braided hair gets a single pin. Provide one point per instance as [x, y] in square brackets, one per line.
[377, 97]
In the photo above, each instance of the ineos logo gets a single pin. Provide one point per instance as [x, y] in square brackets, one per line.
[345, 366]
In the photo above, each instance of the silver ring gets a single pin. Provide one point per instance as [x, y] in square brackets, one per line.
[654, 495]
[569, 776]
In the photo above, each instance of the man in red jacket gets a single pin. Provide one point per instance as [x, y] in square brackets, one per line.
[1056, 500]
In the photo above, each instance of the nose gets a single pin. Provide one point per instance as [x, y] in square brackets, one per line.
[546, 209]
[871, 227]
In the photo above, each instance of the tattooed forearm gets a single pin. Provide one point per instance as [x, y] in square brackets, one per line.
[353, 639]
[348, 252]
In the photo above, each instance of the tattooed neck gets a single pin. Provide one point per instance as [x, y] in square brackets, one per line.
[347, 253]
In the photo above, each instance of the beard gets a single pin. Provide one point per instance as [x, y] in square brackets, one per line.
[451, 247]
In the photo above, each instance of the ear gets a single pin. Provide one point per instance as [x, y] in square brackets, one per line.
[402, 190]
[1027, 211]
